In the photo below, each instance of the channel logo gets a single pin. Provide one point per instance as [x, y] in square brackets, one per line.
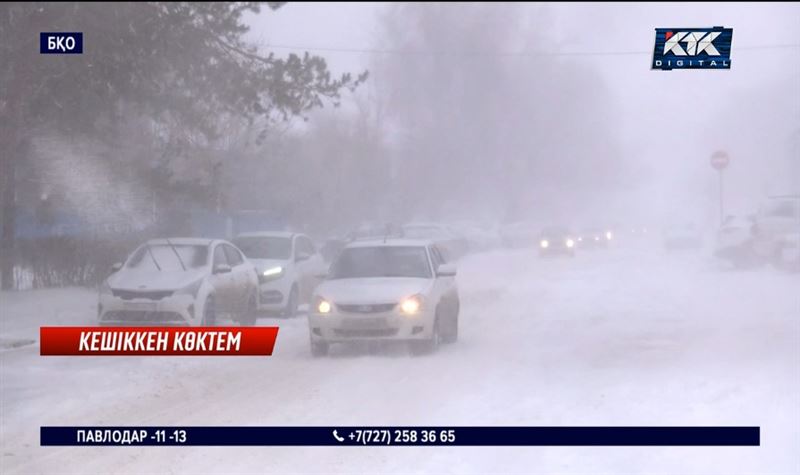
[693, 48]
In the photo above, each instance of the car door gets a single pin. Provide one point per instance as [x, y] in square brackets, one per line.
[239, 278]
[221, 282]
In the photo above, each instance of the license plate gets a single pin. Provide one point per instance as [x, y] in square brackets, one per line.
[364, 323]
[140, 306]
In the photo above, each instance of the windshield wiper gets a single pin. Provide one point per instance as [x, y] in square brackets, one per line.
[149, 251]
[176, 254]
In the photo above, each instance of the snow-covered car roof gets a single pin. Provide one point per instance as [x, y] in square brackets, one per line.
[285, 234]
[183, 241]
[390, 242]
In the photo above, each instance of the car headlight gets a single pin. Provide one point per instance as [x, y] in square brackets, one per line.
[270, 274]
[322, 306]
[190, 289]
[570, 242]
[411, 305]
[543, 243]
[609, 235]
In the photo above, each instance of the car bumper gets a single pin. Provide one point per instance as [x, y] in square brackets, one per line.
[178, 310]
[273, 295]
[388, 326]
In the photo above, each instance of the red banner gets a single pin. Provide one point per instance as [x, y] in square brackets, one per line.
[157, 341]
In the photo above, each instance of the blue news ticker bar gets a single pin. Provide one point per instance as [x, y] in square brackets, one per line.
[355, 435]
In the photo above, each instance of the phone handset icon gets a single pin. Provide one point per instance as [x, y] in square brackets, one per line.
[336, 436]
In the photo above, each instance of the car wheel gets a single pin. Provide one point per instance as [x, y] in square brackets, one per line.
[319, 349]
[426, 347]
[452, 334]
[209, 313]
[250, 314]
[291, 304]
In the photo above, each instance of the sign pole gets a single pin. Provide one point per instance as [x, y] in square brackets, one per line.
[721, 206]
[719, 161]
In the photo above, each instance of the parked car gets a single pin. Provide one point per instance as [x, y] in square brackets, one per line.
[394, 289]
[374, 231]
[789, 257]
[288, 265]
[448, 241]
[180, 281]
[556, 241]
[479, 237]
[777, 220]
[734, 241]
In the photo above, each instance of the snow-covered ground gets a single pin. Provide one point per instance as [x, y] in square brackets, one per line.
[629, 336]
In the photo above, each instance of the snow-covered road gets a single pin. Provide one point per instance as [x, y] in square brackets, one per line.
[624, 337]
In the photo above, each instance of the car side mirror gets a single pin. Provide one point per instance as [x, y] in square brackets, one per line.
[116, 266]
[302, 256]
[446, 270]
[222, 269]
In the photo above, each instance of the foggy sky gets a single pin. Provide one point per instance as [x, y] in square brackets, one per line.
[667, 122]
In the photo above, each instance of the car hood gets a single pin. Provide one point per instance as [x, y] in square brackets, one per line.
[264, 264]
[372, 290]
[128, 279]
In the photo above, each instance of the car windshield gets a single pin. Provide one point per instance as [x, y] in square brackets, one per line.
[265, 247]
[381, 261]
[163, 257]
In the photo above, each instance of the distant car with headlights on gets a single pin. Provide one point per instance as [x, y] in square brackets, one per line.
[595, 238]
[180, 281]
[386, 290]
[556, 241]
[734, 242]
[288, 265]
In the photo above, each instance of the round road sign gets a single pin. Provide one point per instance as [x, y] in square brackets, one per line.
[720, 160]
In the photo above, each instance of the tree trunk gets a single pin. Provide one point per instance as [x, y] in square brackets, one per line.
[10, 155]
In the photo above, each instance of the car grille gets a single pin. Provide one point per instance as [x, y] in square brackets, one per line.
[271, 296]
[141, 294]
[365, 333]
[368, 308]
[137, 316]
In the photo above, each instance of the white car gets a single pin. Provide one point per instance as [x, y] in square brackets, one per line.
[777, 221]
[180, 281]
[289, 268]
[393, 289]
